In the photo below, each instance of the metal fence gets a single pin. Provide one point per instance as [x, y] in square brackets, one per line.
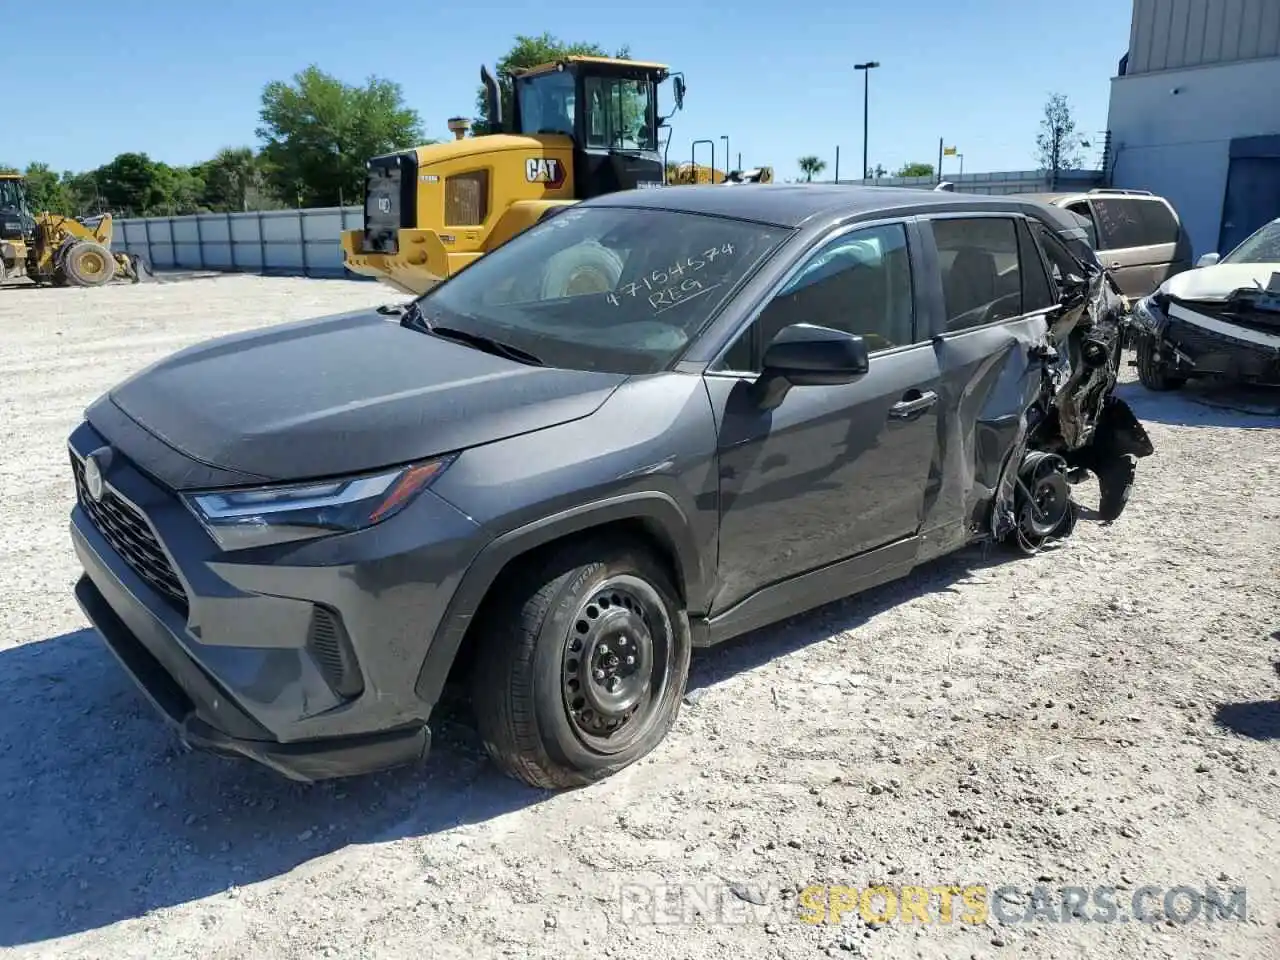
[287, 242]
[306, 242]
[1005, 182]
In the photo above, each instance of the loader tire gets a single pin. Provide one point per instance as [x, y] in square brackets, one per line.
[582, 269]
[89, 264]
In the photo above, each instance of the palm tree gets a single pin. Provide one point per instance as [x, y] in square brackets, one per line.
[809, 166]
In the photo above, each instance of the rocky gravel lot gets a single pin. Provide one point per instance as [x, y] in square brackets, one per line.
[1102, 715]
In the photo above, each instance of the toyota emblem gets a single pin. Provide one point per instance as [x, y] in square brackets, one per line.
[93, 478]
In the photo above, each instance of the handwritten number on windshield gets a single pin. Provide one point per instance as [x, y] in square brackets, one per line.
[664, 286]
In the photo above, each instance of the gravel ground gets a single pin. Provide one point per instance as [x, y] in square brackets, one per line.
[1101, 715]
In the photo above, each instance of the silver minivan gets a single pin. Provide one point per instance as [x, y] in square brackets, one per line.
[1138, 236]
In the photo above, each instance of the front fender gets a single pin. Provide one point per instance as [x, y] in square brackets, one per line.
[659, 512]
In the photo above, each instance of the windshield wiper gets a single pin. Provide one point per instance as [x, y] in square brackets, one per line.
[410, 314]
[488, 344]
[412, 317]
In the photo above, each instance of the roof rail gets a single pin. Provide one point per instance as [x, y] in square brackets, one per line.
[1138, 193]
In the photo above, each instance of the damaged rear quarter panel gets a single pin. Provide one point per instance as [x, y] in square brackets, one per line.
[990, 378]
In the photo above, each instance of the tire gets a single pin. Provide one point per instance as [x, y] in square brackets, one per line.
[88, 264]
[535, 686]
[1152, 373]
[585, 268]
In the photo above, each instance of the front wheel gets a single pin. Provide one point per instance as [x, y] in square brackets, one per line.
[581, 666]
[1153, 372]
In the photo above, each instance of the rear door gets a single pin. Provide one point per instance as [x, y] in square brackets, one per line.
[1138, 241]
[995, 299]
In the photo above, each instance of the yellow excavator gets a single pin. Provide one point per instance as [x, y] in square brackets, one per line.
[57, 250]
[581, 127]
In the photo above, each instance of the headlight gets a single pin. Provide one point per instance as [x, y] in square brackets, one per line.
[242, 518]
[1147, 315]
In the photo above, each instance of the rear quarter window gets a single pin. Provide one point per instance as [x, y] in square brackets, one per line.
[1128, 222]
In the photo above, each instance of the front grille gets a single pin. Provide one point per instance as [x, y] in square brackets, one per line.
[131, 536]
[390, 200]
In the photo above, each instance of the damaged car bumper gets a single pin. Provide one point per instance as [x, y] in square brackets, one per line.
[1231, 338]
[262, 658]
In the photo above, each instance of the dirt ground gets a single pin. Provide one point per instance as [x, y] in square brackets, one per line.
[1104, 715]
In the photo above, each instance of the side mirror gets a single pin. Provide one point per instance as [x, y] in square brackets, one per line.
[804, 355]
[1208, 260]
[678, 89]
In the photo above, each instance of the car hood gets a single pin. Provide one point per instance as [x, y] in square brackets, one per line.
[1219, 281]
[344, 394]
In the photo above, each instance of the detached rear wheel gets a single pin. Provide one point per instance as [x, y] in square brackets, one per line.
[581, 666]
[1153, 373]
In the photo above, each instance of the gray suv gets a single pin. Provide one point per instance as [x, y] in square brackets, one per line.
[1138, 236]
[654, 421]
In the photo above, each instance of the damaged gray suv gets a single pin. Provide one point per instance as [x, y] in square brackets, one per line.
[654, 421]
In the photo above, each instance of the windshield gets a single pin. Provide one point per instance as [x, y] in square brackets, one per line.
[10, 195]
[604, 288]
[1262, 247]
[546, 103]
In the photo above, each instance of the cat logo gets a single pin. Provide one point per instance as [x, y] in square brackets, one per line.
[546, 170]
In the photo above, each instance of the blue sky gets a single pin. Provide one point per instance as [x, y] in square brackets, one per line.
[179, 79]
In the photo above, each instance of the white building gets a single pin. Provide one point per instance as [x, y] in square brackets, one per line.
[1195, 114]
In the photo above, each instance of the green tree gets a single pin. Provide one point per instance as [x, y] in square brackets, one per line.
[82, 189]
[182, 189]
[134, 185]
[529, 52]
[230, 178]
[915, 169]
[1058, 142]
[47, 190]
[319, 132]
[810, 166]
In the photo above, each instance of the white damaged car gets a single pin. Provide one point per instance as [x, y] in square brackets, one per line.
[1221, 319]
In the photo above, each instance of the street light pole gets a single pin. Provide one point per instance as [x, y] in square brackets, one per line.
[866, 69]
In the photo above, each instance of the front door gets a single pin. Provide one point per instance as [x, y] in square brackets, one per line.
[833, 471]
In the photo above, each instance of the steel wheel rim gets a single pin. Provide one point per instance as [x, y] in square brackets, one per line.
[616, 663]
[92, 264]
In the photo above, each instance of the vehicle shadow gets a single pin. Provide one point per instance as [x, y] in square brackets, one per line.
[1259, 720]
[1206, 404]
[103, 818]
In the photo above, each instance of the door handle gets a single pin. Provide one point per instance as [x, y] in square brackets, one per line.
[1116, 265]
[912, 403]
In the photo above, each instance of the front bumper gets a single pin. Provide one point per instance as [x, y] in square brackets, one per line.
[302, 658]
[1196, 345]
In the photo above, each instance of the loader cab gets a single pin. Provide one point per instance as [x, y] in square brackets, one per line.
[608, 107]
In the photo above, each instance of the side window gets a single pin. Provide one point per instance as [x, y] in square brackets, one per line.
[1125, 222]
[1036, 293]
[859, 282]
[1081, 208]
[1158, 222]
[1060, 260]
[981, 279]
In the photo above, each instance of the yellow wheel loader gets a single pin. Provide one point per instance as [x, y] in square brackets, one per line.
[582, 127]
[57, 250]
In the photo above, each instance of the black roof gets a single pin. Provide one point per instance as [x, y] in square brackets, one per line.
[794, 204]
